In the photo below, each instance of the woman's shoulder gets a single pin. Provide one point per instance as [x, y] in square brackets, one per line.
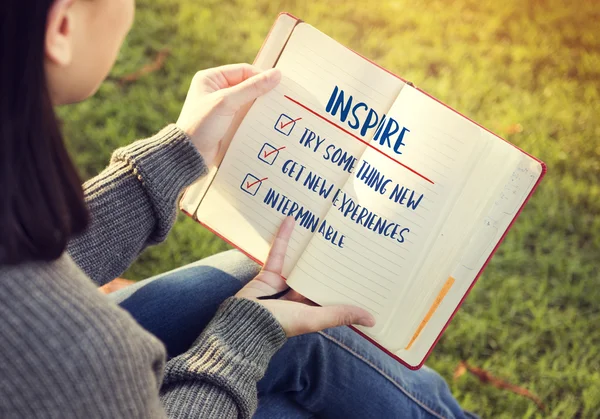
[58, 299]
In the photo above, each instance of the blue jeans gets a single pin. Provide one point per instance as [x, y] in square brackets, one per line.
[334, 373]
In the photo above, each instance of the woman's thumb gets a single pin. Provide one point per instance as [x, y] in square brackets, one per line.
[251, 88]
[341, 315]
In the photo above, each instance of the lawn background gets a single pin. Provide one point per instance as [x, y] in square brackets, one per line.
[528, 70]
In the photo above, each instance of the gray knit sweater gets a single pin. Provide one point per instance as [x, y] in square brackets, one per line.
[66, 351]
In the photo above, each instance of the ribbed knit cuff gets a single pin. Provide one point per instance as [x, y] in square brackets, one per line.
[231, 354]
[164, 164]
[248, 328]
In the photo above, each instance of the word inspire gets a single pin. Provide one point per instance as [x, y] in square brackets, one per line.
[363, 118]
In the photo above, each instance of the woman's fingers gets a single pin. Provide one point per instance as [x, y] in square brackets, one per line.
[228, 75]
[340, 315]
[276, 258]
[295, 317]
[251, 88]
[235, 74]
[298, 319]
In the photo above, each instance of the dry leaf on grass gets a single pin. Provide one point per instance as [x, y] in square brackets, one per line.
[115, 285]
[485, 377]
[514, 129]
[155, 65]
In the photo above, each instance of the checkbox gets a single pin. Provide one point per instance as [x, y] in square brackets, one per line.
[285, 124]
[269, 153]
[251, 184]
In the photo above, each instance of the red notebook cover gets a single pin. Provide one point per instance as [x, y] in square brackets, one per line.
[544, 170]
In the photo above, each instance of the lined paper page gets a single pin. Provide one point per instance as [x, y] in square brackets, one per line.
[289, 157]
[373, 270]
[520, 180]
[488, 177]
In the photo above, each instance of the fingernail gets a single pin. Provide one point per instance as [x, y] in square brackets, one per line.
[288, 225]
[368, 321]
[273, 75]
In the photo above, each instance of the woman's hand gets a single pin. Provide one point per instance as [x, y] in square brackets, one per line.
[296, 314]
[215, 96]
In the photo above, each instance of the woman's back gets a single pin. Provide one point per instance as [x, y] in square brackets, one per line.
[65, 350]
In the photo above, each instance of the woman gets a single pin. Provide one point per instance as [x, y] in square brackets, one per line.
[66, 351]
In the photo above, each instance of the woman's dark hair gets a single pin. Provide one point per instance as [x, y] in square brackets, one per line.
[41, 199]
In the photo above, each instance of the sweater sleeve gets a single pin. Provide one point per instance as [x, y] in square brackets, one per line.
[217, 377]
[66, 351]
[132, 202]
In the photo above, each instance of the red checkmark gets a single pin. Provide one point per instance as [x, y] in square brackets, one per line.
[265, 154]
[282, 125]
[249, 185]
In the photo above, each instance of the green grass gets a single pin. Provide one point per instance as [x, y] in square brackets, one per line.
[533, 318]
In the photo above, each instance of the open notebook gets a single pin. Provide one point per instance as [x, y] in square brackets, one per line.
[399, 200]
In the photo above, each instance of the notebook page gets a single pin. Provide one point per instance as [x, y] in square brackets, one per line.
[520, 181]
[491, 172]
[412, 190]
[286, 158]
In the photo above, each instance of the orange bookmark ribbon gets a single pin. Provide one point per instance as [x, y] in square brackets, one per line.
[438, 300]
